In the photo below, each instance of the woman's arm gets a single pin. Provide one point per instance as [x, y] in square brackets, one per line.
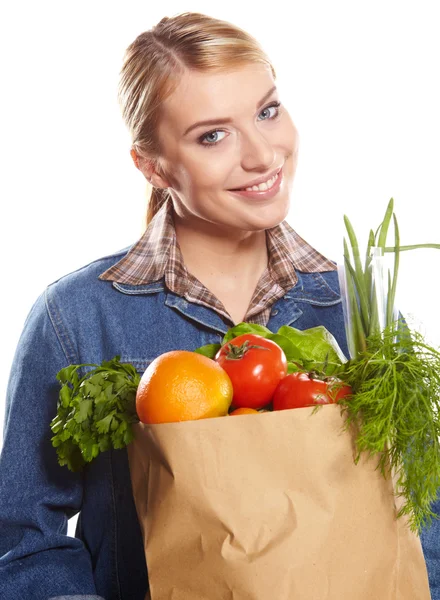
[37, 496]
[430, 538]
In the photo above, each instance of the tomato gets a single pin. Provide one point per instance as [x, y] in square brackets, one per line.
[337, 389]
[255, 366]
[244, 411]
[298, 390]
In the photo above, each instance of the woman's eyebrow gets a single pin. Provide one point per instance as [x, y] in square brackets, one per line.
[221, 120]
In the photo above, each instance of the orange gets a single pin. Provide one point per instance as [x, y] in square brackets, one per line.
[244, 411]
[181, 385]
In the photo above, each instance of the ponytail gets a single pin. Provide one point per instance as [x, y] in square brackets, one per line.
[157, 200]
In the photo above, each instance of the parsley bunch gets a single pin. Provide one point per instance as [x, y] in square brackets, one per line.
[94, 412]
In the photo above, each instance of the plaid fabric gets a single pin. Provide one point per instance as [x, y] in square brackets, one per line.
[157, 255]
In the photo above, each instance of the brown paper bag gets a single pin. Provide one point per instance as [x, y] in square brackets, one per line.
[269, 506]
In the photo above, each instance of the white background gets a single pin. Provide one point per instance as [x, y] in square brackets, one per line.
[360, 81]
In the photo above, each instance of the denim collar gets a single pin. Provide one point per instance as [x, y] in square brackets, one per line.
[311, 288]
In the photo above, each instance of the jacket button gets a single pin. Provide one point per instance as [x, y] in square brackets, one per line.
[274, 312]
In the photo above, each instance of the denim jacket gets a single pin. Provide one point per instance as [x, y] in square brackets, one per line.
[81, 319]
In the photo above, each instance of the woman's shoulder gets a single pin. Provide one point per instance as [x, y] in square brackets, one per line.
[86, 278]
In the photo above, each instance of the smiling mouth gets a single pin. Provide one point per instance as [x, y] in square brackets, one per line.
[271, 179]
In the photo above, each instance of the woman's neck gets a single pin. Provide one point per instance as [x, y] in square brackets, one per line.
[208, 255]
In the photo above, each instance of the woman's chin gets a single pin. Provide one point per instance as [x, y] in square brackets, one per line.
[270, 216]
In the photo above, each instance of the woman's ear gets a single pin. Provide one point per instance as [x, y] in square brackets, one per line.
[134, 156]
[148, 168]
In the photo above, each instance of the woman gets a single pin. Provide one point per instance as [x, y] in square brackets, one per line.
[210, 258]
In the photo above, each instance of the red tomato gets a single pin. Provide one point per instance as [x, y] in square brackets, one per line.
[255, 366]
[337, 389]
[298, 390]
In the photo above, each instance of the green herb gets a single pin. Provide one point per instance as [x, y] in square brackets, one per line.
[394, 374]
[94, 412]
[395, 409]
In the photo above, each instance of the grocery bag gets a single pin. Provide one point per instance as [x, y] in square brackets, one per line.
[270, 506]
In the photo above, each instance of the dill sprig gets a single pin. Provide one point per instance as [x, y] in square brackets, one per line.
[395, 409]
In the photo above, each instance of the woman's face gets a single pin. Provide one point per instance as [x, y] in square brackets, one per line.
[205, 162]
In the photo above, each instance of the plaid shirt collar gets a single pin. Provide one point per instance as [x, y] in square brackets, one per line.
[157, 255]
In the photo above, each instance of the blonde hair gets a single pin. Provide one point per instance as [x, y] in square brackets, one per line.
[155, 61]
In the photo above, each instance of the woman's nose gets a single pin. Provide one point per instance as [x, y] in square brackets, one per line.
[257, 151]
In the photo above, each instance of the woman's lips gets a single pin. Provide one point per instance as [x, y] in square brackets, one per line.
[274, 173]
[265, 194]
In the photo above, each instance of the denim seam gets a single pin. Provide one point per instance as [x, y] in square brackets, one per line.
[319, 279]
[193, 318]
[317, 303]
[70, 357]
[115, 517]
[312, 293]
[137, 292]
[323, 283]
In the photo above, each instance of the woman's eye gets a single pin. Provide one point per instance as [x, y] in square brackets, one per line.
[211, 142]
[272, 106]
[208, 137]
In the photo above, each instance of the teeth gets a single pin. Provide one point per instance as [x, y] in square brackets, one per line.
[262, 186]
